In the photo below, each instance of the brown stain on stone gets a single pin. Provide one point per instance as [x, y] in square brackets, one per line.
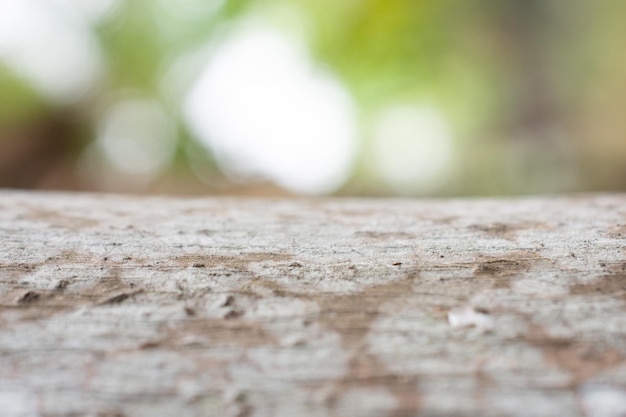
[501, 267]
[67, 292]
[110, 289]
[501, 270]
[612, 284]
[108, 284]
[43, 304]
[62, 285]
[60, 260]
[36, 303]
[120, 298]
[366, 371]
[208, 333]
[351, 316]
[580, 359]
[236, 262]
[507, 231]
[29, 297]
[33, 305]
[618, 232]
[72, 258]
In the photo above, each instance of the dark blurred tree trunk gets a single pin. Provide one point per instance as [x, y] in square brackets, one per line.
[529, 25]
[39, 154]
[541, 155]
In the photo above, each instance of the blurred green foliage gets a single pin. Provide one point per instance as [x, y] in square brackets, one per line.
[533, 90]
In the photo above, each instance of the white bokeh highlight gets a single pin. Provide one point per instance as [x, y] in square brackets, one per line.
[267, 112]
[50, 44]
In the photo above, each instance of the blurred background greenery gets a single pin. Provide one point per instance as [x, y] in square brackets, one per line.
[282, 97]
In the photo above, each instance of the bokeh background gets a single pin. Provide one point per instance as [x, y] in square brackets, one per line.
[314, 97]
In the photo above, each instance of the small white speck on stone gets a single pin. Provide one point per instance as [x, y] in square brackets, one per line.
[468, 316]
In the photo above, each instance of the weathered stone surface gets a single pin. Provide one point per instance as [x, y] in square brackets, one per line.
[128, 306]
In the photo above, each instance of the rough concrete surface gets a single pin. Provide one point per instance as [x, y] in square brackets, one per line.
[135, 306]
